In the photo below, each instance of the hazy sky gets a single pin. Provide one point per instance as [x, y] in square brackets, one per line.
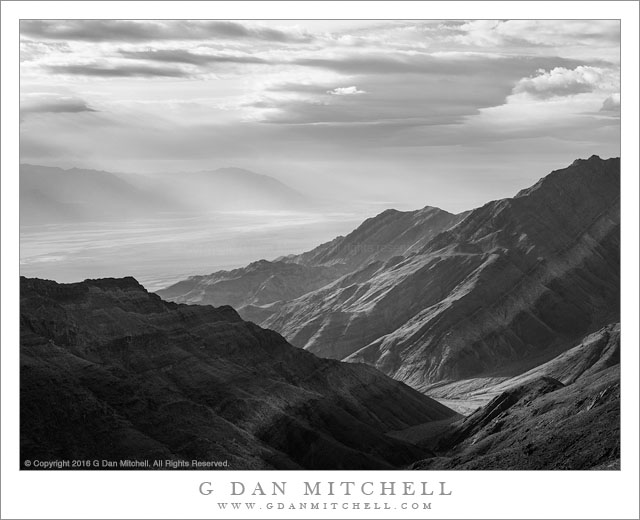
[401, 113]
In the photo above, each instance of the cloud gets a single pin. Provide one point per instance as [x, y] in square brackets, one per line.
[437, 90]
[370, 63]
[30, 50]
[49, 104]
[299, 88]
[611, 104]
[118, 71]
[133, 30]
[187, 57]
[458, 64]
[415, 101]
[345, 91]
[566, 82]
[362, 64]
[538, 32]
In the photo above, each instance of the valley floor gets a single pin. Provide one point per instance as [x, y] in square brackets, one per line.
[464, 407]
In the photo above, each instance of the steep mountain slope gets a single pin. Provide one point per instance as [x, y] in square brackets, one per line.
[260, 289]
[109, 371]
[541, 422]
[509, 287]
[390, 234]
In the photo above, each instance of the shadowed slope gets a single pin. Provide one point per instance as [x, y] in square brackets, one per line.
[564, 414]
[541, 424]
[594, 353]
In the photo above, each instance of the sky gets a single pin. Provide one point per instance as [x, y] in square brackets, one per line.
[387, 113]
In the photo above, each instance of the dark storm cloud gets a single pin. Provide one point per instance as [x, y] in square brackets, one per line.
[187, 57]
[118, 71]
[54, 105]
[133, 31]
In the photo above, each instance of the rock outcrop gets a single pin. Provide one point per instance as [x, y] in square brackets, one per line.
[111, 372]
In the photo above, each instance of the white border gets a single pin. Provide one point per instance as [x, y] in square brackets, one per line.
[174, 495]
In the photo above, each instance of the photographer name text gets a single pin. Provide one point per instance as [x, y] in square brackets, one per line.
[329, 488]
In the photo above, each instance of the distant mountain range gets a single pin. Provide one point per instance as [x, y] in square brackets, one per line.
[53, 195]
[50, 195]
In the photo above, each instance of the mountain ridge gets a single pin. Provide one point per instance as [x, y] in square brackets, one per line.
[503, 247]
[372, 241]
